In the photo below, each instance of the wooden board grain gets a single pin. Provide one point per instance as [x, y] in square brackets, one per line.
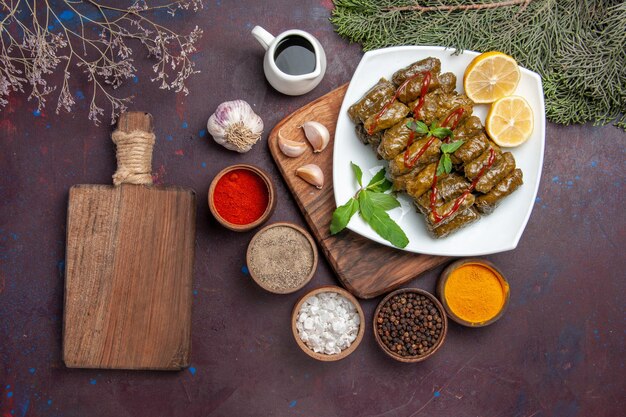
[364, 267]
[128, 282]
[128, 276]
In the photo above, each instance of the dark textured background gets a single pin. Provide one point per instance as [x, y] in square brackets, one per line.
[557, 352]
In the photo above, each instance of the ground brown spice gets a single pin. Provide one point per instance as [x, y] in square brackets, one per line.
[281, 258]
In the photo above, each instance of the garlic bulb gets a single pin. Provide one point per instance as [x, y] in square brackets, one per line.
[291, 148]
[235, 126]
[317, 135]
[312, 174]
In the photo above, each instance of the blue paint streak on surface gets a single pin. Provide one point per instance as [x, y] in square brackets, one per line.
[192, 370]
[135, 79]
[244, 269]
[66, 15]
[594, 164]
[169, 137]
[195, 292]
[555, 179]
[204, 165]
[50, 27]
[8, 386]
[49, 402]
[437, 394]
[538, 200]
[31, 370]
[202, 133]
[15, 236]
[79, 95]
[25, 407]
[293, 404]
[36, 113]
[48, 126]
[9, 394]
[93, 381]
[185, 125]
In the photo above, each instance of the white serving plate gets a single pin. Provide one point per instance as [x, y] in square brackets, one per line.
[497, 232]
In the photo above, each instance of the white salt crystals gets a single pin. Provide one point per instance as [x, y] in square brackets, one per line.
[328, 323]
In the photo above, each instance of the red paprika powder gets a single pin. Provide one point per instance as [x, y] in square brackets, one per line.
[240, 196]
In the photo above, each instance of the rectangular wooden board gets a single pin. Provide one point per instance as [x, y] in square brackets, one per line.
[128, 277]
[364, 267]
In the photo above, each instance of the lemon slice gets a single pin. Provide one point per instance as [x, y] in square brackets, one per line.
[510, 121]
[491, 76]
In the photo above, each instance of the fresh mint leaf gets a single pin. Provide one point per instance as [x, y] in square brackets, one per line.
[380, 221]
[379, 183]
[441, 132]
[440, 167]
[447, 163]
[451, 147]
[384, 201]
[357, 173]
[376, 179]
[418, 127]
[342, 216]
[382, 187]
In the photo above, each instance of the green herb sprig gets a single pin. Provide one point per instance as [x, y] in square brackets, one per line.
[445, 163]
[372, 202]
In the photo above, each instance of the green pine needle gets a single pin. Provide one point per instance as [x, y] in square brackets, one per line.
[578, 46]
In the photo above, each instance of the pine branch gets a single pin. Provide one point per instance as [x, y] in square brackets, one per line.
[576, 45]
[451, 8]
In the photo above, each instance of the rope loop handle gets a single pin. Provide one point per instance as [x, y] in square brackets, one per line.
[134, 157]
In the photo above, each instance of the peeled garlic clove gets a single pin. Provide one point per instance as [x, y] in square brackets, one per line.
[291, 148]
[317, 135]
[312, 174]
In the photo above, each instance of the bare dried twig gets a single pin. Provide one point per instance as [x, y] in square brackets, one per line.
[38, 39]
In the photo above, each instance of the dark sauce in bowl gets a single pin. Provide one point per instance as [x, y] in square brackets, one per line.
[295, 55]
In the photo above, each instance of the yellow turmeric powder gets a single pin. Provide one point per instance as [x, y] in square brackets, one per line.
[475, 293]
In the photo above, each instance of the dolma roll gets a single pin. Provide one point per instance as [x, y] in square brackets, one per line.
[421, 182]
[471, 149]
[463, 219]
[498, 171]
[431, 154]
[473, 168]
[449, 187]
[392, 115]
[488, 202]
[445, 210]
[413, 89]
[395, 139]
[429, 64]
[373, 101]
[438, 105]
[366, 138]
[447, 82]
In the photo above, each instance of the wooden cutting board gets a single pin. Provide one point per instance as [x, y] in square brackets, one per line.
[365, 268]
[128, 276]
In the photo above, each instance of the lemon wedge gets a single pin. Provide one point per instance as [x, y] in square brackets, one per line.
[510, 121]
[491, 76]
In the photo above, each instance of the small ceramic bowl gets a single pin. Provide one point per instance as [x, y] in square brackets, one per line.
[443, 279]
[308, 237]
[320, 356]
[444, 328]
[271, 203]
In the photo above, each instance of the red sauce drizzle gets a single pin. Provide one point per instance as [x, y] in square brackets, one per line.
[410, 162]
[387, 105]
[457, 203]
[455, 116]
